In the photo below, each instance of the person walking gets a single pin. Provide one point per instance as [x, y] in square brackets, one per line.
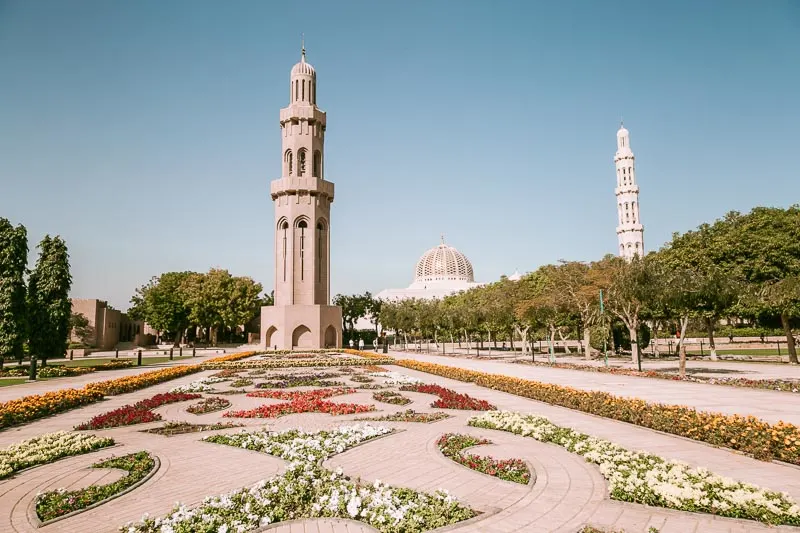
[361, 344]
[351, 344]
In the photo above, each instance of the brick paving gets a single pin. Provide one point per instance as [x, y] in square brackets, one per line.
[567, 493]
[767, 405]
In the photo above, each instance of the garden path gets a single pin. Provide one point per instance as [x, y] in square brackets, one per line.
[567, 493]
[767, 405]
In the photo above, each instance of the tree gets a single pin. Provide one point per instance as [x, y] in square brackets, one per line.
[631, 287]
[13, 308]
[79, 328]
[353, 307]
[761, 249]
[163, 305]
[217, 299]
[48, 300]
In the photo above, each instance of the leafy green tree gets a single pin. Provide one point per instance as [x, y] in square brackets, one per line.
[48, 300]
[81, 329]
[354, 307]
[631, 288]
[163, 305]
[13, 308]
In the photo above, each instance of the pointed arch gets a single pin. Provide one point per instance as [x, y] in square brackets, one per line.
[287, 163]
[302, 338]
[301, 161]
[317, 164]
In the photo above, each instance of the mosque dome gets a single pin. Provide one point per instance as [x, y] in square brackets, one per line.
[302, 68]
[443, 263]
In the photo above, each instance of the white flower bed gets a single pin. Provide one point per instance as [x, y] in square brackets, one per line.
[643, 478]
[211, 380]
[194, 386]
[307, 490]
[47, 448]
[295, 445]
[396, 378]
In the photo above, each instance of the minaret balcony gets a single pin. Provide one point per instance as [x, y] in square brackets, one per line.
[302, 112]
[306, 185]
[627, 189]
[625, 228]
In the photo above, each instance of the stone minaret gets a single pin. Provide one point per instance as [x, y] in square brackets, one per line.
[301, 316]
[630, 231]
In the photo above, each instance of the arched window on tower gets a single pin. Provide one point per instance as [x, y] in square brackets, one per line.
[304, 90]
[320, 247]
[301, 162]
[285, 229]
[317, 164]
[288, 162]
[302, 225]
[296, 89]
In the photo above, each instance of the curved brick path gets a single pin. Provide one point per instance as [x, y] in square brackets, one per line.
[567, 494]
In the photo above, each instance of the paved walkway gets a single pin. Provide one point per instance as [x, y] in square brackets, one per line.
[767, 405]
[567, 492]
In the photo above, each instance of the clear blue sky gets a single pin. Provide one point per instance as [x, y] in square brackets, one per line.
[146, 133]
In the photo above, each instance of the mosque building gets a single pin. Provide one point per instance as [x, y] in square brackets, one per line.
[440, 272]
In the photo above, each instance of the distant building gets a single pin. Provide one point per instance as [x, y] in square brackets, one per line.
[630, 231]
[109, 326]
[440, 272]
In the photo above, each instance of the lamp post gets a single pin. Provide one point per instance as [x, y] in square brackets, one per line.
[605, 331]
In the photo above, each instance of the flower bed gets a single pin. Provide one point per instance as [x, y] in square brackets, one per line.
[297, 445]
[452, 444]
[46, 449]
[390, 397]
[195, 386]
[745, 433]
[374, 369]
[306, 490]
[396, 378]
[450, 399]
[283, 381]
[295, 363]
[208, 405]
[53, 504]
[179, 428]
[312, 401]
[28, 408]
[361, 379]
[371, 386]
[58, 371]
[409, 415]
[226, 374]
[783, 385]
[639, 477]
[138, 413]
[241, 382]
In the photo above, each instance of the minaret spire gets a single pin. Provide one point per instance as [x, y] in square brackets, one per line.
[630, 231]
[303, 47]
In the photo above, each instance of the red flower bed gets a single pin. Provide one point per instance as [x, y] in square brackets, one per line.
[138, 413]
[312, 401]
[450, 399]
[319, 394]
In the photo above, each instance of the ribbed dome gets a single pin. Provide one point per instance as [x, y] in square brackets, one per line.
[444, 263]
[303, 68]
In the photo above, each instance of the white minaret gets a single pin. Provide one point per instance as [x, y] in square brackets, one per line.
[301, 316]
[630, 231]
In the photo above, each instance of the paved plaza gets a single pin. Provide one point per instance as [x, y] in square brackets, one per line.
[567, 492]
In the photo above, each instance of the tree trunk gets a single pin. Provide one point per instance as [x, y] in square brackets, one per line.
[711, 346]
[634, 333]
[466, 339]
[587, 337]
[684, 322]
[655, 344]
[789, 338]
[564, 340]
[550, 348]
